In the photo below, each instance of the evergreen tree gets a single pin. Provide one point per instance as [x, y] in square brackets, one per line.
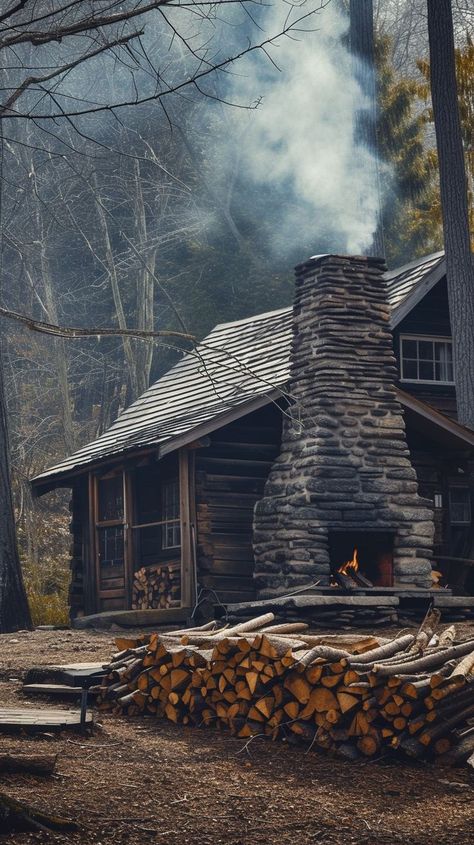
[410, 228]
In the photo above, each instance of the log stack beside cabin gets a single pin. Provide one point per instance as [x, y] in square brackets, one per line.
[412, 693]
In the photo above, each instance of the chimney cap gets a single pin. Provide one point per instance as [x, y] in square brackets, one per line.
[315, 260]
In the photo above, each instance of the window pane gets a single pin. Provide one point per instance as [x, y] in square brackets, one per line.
[147, 494]
[444, 355]
[110, 498]
[425, 350]
[426, 371]
[410, 369]
[171, 499]
[148, 545]
[171, 535]
[409, 348]
[110, 542]
[460, 505]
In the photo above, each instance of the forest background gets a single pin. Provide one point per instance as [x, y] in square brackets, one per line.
[194, 212]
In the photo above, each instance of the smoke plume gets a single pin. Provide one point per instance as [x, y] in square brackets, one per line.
[300, 138]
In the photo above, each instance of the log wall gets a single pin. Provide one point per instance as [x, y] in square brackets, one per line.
[230, 475]
[436, 469]
[81, 591]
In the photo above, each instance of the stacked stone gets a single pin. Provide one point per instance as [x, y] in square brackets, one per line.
[344, 463]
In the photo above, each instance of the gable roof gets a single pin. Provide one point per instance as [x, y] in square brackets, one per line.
[237, 368]
[407, 285]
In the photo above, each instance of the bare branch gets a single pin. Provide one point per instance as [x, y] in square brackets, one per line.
[75, 332]
[36, 80]
[193, 79]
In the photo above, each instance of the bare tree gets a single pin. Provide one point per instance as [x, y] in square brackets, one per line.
[44, 47]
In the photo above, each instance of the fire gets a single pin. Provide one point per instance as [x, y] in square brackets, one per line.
[349, 565]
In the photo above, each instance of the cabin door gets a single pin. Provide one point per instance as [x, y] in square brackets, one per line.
[110, 541]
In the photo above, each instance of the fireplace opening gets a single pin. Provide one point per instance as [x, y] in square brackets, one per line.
[361, 559]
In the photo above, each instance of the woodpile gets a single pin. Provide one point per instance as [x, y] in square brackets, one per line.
[157, 586]
[355, 697]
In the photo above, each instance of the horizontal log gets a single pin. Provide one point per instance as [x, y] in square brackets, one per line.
[30, 764]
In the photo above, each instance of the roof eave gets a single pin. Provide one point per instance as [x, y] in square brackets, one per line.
[45, 483]
[418, 293]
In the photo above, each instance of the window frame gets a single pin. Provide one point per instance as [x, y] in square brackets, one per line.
[433, 339]
[173, 523]
[467, 489]
[164, 523]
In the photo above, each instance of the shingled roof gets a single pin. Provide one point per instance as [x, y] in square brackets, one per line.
[240, 364]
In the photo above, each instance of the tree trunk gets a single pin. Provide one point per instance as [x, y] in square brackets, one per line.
[145, 287]
[59, 344]
[454, 202]
[116, 293]
[14, 610]
[363, 52]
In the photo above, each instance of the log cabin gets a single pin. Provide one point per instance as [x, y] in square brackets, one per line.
[264, 454]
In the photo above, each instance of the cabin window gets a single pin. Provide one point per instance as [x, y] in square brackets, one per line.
[110, 521]
[110, 498]
[157, 518]
[426, 359]
[459, 505]
[171, 534]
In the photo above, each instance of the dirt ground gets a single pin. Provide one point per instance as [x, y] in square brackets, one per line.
[144, 780]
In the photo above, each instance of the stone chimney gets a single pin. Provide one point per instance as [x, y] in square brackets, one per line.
[344, 475]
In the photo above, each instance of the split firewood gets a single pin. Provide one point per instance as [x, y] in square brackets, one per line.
[464, 669]
[447, 637]
[275, 680]
[426, 630]
[157, 586]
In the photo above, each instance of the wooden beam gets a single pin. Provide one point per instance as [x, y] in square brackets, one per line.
[93, 568]
[187, 567]
[128, 550]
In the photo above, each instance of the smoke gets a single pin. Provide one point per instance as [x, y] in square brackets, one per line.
[299, 142]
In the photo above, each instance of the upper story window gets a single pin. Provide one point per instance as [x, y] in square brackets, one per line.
[426, 359]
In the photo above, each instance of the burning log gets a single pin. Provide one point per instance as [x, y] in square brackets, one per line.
[278, 680]
[349, 575]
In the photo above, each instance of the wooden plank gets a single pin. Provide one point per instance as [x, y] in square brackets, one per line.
[105, 593]
[133, 618]
[128, 550]
[114, 584]
[93, 585]
[187, 568]
[73, 674]
[227, 582]
[55, 690]
[226, 567]
[18, 718]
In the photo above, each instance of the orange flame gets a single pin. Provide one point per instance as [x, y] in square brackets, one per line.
[353, 564]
